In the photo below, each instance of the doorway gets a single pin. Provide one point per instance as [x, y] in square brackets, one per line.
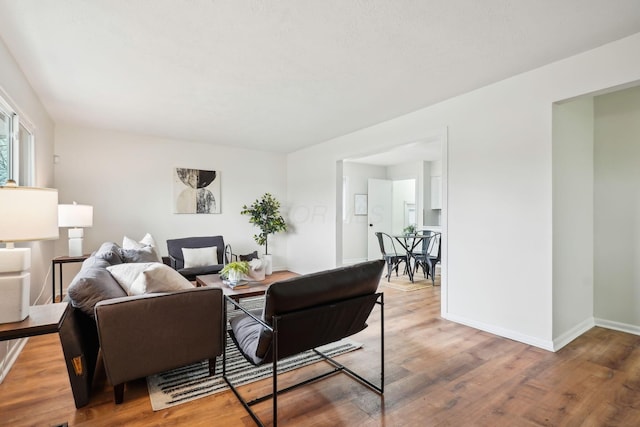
[391, 208]
[429, 157]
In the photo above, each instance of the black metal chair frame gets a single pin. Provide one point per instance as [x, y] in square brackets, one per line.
[337, 367]
[393, 260]
[427, 261]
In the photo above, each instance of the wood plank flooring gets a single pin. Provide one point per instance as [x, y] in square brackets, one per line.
[437, 373]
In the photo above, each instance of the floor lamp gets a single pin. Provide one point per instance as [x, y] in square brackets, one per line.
[76, 217]
[26, 214]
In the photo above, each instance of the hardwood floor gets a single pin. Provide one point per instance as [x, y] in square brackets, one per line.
[437, 373]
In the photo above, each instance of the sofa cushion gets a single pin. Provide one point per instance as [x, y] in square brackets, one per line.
[93, 284]
[191, 273]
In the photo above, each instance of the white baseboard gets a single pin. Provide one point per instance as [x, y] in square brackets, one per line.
[573, 333]
[617, 326]
[11, 357]
[502, 332]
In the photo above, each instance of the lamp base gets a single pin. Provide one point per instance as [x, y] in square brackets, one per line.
[75, 241]
[14, 297]
[14, 284]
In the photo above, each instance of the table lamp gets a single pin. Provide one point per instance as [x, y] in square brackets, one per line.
[75, 216]
[26, 214]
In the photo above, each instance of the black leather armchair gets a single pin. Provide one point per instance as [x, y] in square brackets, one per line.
[176, 256]
[304, 313]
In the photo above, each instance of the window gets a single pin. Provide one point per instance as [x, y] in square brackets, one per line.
[16, 147]
[5, 153]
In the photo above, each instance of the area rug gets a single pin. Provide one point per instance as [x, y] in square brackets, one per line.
[193, 382]
[404, 284]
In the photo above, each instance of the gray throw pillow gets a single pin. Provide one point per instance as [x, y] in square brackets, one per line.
[93, 284]
[146, 254]
[110, 252]
[249, 257]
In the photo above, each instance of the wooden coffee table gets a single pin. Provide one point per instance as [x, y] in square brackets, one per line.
[254, 289]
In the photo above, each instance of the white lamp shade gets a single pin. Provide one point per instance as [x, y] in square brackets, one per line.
[28, 213]
[75, 215]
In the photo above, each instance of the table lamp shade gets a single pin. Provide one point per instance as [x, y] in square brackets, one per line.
[26, 214]
[75, 215]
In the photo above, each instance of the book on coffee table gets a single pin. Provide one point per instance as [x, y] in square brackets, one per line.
[238, 285]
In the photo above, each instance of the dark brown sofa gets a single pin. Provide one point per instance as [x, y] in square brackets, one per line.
[140, 335]
[145, 335]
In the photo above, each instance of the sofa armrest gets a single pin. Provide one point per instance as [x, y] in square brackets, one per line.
[148, 334]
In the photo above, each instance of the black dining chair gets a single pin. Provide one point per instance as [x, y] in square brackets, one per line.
[392, 257]
[429, 254]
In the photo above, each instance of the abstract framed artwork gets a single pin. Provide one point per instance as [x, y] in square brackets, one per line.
[196, 191]
[360, 204]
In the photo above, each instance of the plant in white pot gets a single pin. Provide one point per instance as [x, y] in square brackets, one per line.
[235, 271]
[265, 214]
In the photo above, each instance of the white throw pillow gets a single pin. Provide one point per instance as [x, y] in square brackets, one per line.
[127, 273]
[200, 257]
[147, 277]
[159, 278]
[146, 241]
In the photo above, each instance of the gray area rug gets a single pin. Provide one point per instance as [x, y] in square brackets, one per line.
[193, 381]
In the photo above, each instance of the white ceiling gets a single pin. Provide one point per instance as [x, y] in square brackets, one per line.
[282, 75]
[429, 150]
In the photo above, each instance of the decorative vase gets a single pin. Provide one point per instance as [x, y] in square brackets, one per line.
[268, 264]
[235, 276]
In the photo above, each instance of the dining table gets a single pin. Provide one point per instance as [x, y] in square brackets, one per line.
[409, 243]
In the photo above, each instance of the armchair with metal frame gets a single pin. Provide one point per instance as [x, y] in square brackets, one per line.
[177, 256]
[304, 313]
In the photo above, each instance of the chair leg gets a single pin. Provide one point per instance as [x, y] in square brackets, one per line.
[389, 268]
[118, 393]
[212, 367]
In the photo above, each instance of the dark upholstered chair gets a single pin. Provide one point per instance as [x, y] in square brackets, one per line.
[176, 256]
[304, 313]
[149, 334]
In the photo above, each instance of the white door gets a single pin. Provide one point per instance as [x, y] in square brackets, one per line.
[379, 213]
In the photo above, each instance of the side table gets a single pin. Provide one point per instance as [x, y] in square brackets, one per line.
[50, 319]
[59, 261]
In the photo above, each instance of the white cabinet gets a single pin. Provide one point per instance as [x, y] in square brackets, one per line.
[436, 192]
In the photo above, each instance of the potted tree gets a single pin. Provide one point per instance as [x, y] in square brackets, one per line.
[265, 214]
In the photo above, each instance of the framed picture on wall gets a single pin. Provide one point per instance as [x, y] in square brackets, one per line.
[196, 191]
[360, 204]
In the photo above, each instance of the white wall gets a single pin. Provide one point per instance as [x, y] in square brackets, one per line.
[617, 210]
[572, 219]
[16, 90]
[355, 228]
[499, 189]
[128, 180]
